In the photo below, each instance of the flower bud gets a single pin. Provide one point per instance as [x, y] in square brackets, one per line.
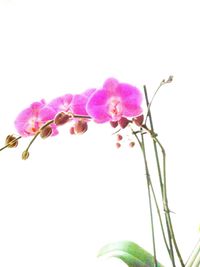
[71, 130]
[62, 118]
[46, 132]
[25, 154]
[118, 145]
[80, 127]
[114, 124]
[139, 120]
[11, 141]
[119, 137]
[131, 144]
[170, 79]
[123, 122]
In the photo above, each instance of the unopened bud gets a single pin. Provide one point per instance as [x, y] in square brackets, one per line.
[71, 130]
[46, 132]
[114, 124]
[131, 144]
[62, 118]
[11, 141]
[80, 127]
[118, 145]
[119, 137]
[170, 79]
[139, 120]
[25, 154]
[123, 122]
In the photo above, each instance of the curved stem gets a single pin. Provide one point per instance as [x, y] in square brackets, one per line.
[38, 132]
[50, 122]
[169, 80]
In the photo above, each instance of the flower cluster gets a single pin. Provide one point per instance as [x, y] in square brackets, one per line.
[120, 105]
[115, 102]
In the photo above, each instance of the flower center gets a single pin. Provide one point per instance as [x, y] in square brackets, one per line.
[115, 108]
[33, 125]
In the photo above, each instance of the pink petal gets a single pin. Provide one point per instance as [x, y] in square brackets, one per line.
[97, 106]
[131, 99]
[21, 122]
[61, 103]
[79, 101]
[110, 84]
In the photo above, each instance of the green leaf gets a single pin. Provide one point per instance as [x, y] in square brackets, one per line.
[130, 253]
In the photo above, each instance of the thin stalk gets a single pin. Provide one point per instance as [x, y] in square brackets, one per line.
[166, 207]
[169, 80]
[81, 116]
[197, 261]
[194, 255]
[149, 197]
[154, 143]
[163, 189]
[160, 219]
[155, 200]
[150, 103]
[159, 175]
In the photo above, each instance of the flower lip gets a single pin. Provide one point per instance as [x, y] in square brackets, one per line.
[115, 108]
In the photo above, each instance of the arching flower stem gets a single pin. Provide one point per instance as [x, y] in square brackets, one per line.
[50, 122]
[81, 116]
[38, 132]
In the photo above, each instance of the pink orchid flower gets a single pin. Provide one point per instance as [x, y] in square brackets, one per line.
[114, 101]
[61, 103]
[31, 119]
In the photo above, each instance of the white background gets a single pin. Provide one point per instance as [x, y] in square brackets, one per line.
[77, 193]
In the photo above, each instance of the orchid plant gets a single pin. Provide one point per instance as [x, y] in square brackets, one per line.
[120, 105]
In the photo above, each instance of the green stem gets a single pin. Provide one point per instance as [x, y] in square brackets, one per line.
[197, 261]
[81, 116]
[149, 197]
[194, 256]
[155, 199]
[169, 80]
[154, 143]
[163, 189]
[166, 207]
[160, 219]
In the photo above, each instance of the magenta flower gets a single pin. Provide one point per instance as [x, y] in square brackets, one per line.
[79, 102]
[61, 103]
[114, 101]
[29, 121]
